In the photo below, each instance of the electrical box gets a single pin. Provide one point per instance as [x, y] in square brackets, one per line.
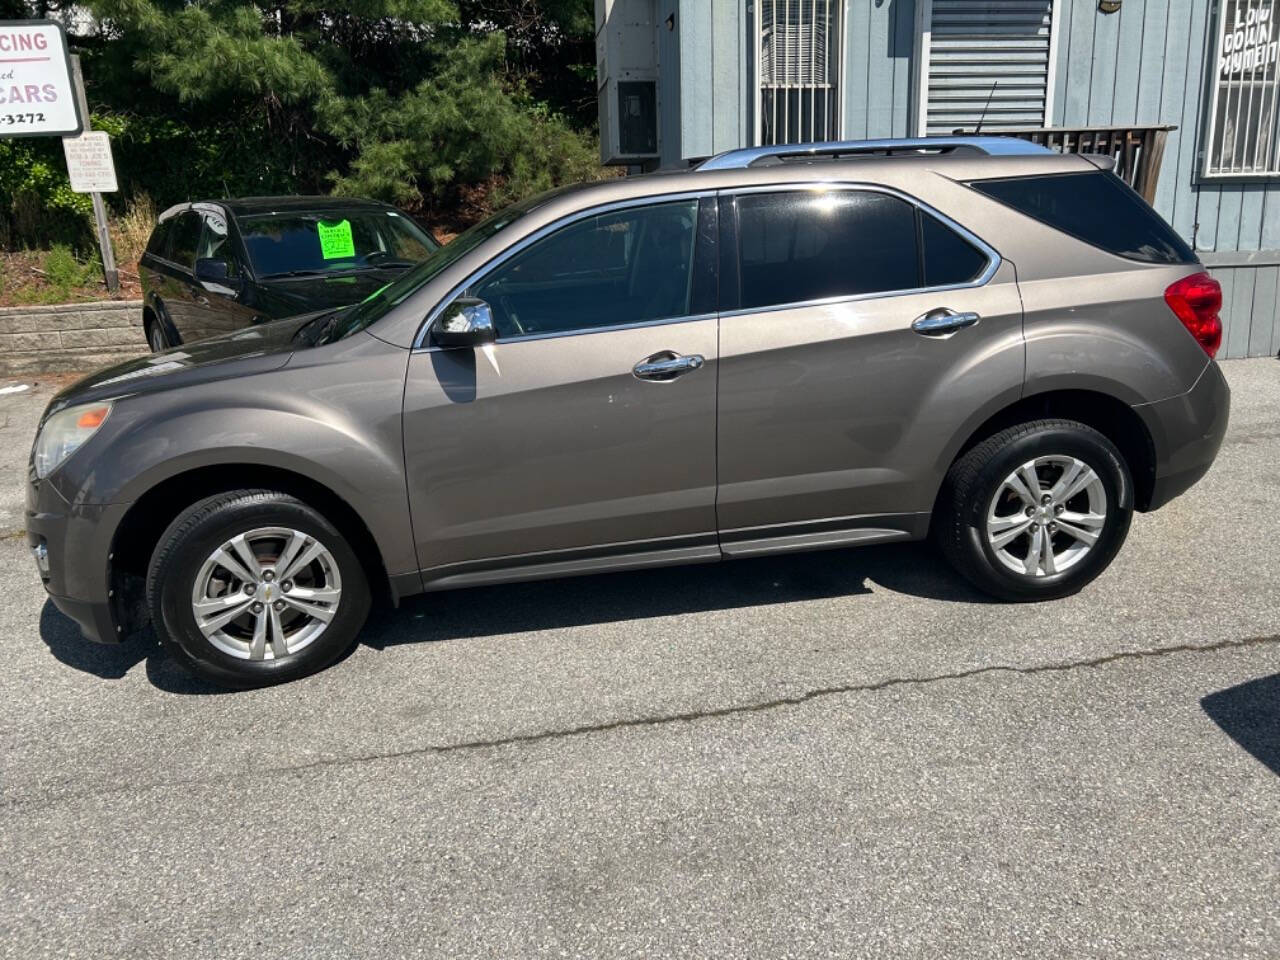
[627, 81]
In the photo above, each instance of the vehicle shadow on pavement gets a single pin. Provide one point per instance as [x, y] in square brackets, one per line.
[912, 569]
[670, 591]
[111, 661]
[1250, 715]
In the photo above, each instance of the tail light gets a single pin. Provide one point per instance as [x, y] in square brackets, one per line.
[1196, 301]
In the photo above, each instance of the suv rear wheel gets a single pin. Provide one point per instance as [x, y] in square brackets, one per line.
[1036, 511]
[255, 587]
[155, 336]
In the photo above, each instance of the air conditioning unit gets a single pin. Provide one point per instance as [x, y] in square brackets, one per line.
[627, 81]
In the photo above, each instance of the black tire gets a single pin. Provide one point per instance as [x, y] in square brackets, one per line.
[194, 536]
[156, 338]
[975, 479]
[162, 327]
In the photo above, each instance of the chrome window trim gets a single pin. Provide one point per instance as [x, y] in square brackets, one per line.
[994, 260]
[419, 342]
[586, 331]
[851, 298]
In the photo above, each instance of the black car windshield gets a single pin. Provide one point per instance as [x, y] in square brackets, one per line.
[393, 294]
[309, 243]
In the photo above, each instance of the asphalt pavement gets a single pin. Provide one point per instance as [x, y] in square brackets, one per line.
[843, 754]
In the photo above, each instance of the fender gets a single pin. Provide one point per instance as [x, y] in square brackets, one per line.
[1112, 336]
[345, 435]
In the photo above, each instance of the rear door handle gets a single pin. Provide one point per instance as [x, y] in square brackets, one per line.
[943, 322]
[666, 366]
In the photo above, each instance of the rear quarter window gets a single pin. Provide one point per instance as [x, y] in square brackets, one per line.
[1096, 207]
[947, 259]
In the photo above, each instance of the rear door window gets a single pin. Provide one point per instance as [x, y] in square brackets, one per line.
[186, 235]
[800, 246]
[1096, 207]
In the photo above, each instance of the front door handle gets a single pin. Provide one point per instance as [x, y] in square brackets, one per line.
[666, 366]
[943, 322]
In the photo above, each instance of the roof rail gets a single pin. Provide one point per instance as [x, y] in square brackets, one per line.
[987, 146]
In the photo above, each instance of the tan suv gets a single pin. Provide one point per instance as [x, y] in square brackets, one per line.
[783, 349]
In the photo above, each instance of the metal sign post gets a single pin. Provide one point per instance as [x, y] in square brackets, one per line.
[110, 273]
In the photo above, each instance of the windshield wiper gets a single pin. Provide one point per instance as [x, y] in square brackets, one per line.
[295, 273]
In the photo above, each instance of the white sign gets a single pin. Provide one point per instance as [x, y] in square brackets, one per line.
[36, 97]
[1248, 40]
[89, 162]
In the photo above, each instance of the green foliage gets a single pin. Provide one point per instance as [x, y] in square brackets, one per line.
[36, 201]
[408, 100]
[458, 127]
[428, 103]
[62, 267]
[63, 272]
[200, 53]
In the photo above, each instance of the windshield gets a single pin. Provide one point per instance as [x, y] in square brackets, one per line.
[332, 241]
[393, 294]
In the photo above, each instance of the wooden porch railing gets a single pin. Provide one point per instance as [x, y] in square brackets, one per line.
[1138, 150]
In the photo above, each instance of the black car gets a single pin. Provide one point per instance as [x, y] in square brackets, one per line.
[216, 266]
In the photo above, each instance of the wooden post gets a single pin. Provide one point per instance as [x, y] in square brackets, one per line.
[110, 274]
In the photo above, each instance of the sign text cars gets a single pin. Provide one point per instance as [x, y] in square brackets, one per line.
[36, 96]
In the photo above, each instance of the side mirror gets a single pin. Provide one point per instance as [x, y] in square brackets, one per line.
[212, 271]
[466, 322]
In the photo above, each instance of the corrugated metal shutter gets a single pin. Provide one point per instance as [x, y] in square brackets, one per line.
[988, 50]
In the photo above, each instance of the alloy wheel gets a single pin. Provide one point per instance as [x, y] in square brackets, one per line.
[266, 594]
[1046, 516]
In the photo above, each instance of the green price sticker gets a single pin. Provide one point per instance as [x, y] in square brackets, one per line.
[335, 239]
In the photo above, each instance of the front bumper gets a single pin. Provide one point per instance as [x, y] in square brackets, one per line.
[76, 568]
[1187, 431]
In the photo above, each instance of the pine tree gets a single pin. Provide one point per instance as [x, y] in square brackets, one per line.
[406, 100]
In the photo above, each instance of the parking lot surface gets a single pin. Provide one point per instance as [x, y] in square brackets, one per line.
[841, 754]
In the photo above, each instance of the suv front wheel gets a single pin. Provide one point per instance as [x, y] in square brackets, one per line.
[1036, 511]
[254, 587]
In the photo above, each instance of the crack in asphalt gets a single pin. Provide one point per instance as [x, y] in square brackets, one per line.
[810, 695]
[691, 716]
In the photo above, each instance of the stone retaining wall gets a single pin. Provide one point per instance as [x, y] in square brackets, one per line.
[69, 337]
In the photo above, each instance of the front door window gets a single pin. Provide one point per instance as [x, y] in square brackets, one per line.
[613, 269]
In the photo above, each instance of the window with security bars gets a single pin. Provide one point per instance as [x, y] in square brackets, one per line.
[1242, 138]
[797, 60]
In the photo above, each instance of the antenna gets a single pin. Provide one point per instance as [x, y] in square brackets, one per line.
[985, 108]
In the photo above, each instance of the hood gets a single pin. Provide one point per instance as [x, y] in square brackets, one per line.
[267, 346]
[339, 290]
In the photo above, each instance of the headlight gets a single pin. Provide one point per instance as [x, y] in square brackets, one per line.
[64, 432]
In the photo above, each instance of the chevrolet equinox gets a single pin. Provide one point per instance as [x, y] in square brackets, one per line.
[785, 348]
